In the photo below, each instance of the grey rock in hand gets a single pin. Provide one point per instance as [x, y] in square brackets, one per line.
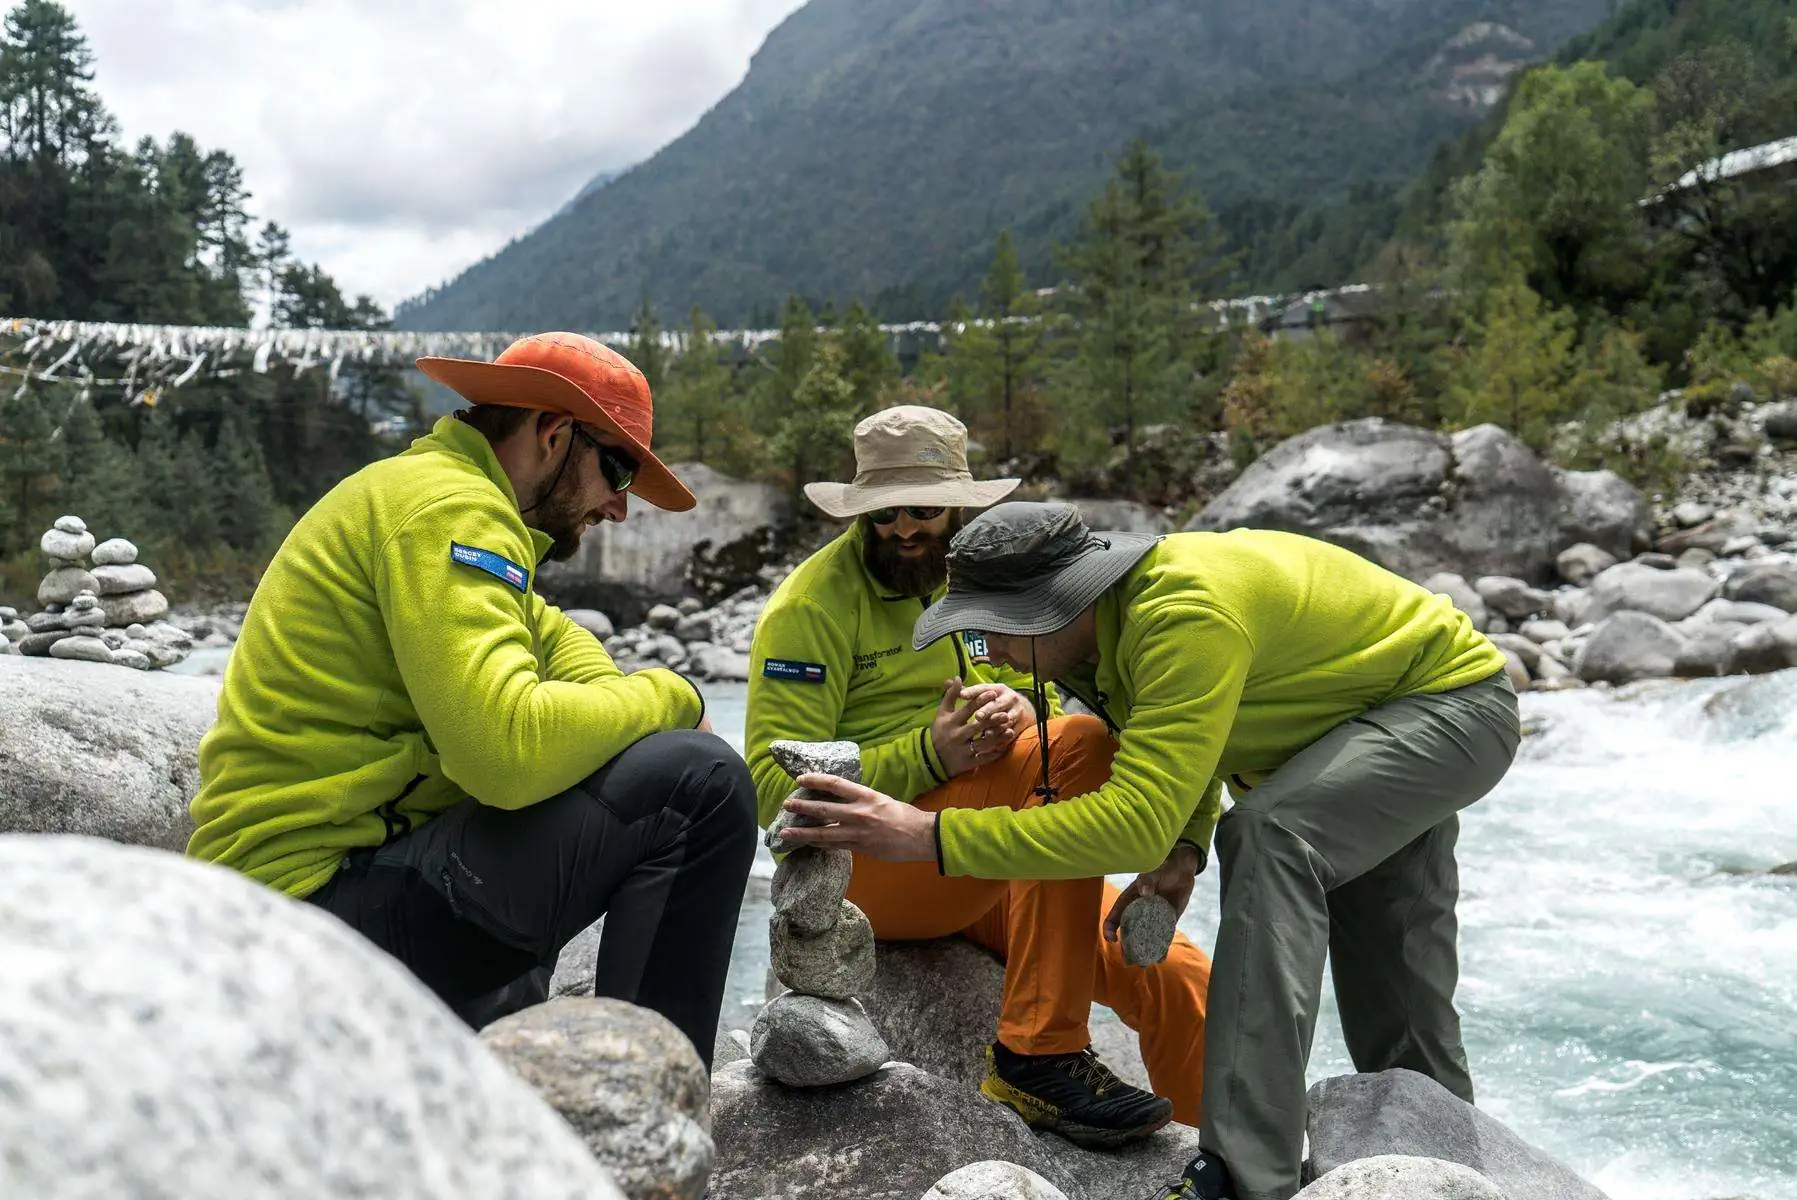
[786, 819]
[842, 759]
[1149, 923]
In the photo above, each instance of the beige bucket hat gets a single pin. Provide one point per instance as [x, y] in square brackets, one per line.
[909, 455]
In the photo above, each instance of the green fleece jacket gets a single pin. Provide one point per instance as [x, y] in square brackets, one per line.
[396, 660]
[832, 660]
[1220, 656]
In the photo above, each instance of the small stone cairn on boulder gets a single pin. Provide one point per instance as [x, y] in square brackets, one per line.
[109, 612]
[816, 1033]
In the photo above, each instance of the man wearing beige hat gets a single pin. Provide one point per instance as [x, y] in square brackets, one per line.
[409, 738]
[945, 728]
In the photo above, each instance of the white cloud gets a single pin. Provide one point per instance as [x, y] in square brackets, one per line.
[401, 140]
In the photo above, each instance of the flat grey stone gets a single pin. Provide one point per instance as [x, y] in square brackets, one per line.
[808, 888]
[810, 1041]
[38, 645]
[66, 546]
[69, 524]
[842, 759]
[123, 579]
[63, 584]
[836, 964]
[1402, 1177]
[137, 608]
[1542, 632]
[993, 1180]
[786, 819]
[663, 616]
[627, 1081]
[86, 649]
[1354, 1117]
[135, 659]
[44, 622]
[1771, 584]
[1634, 587]
[114, 552]
[1511, 598]
[1525, 649]
[1148, 926]
[156, 1040]
[1580, 564]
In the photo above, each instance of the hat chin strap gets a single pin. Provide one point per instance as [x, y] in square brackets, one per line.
[553, 483]
[1047, 791]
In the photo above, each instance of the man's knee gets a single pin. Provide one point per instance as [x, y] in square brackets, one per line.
[693, 773]
[1081, 745]
[1248, 835]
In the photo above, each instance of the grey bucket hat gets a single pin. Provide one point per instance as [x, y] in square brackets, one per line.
[1025, 570]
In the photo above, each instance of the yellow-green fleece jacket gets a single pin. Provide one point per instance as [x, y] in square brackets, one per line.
[1220, 656]
[396, 660]
[832, 660]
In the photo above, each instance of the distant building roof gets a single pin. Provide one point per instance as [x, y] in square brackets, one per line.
[1737, 163]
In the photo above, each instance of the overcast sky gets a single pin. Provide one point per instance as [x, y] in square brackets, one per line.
[401, 140]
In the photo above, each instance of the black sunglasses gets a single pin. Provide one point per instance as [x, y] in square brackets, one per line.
[886, 516]
[617, 466]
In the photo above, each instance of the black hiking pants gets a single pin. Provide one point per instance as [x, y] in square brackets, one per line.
[479, 901]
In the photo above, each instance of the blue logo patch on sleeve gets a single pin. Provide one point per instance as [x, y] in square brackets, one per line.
[497, 565]
[797, 672]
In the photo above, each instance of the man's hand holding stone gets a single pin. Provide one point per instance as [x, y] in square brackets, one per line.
[862, 820]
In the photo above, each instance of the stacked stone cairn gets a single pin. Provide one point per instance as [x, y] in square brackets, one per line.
[816, 1033]
[111, 613]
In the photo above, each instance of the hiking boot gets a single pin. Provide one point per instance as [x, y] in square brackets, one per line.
[1205, 1178]
[1073, 1095]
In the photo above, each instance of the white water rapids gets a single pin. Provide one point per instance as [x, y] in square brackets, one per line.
[1630, 1005]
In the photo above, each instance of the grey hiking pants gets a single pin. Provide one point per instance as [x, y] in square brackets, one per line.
[1346, 852]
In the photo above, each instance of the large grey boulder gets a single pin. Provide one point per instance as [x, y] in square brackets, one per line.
[1122, 516]
[92, 749]
[936, 1004]
[623, 568]
[1634, 587]
[1402, 1177]
[1773, 583]
[887, 1137]
[1708, 650]
[1477, 503]
[627, 1081]
[171, 1028]
[994, 1180]
[1354, 1117]
[1627, 647]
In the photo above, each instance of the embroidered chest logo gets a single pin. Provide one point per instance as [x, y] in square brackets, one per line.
[497, 565]
[871, 660]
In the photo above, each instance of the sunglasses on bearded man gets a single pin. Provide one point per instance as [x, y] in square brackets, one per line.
[615, 464]
[886, 516]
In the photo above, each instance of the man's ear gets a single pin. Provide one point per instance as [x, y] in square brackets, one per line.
[553, 432]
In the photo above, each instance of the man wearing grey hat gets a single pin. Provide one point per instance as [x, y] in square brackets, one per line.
[1353, 715]
[940, 727]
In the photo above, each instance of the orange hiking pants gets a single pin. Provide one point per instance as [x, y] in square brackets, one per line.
[1050, 932]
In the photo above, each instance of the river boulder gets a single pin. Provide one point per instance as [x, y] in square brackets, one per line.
[170, 1028]
[1477, 503]
[1629, 646]
[1356, 1117]
[87, 748]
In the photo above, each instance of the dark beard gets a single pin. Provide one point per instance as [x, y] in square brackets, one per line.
[908, 576]
[561, 515]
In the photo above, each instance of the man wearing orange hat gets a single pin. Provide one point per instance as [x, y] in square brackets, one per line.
[410, 738]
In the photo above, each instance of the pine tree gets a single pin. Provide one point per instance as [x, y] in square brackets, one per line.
[815, 433]
[786, 363]
[697, 393]
[1523, 367]
[1147, 250]
[249, 517]
[999, 360]
[867, 359]
[646, 350]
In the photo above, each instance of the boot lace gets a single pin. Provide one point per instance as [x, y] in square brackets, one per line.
[1086, 1068]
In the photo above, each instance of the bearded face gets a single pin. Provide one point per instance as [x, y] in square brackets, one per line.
[910, 556]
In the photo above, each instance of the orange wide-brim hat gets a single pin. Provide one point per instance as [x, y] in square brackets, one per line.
[571, 374]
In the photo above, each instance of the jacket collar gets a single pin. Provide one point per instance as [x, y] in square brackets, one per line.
[462, 440]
